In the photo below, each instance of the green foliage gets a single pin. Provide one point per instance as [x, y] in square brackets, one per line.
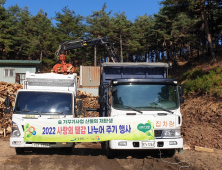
[175, 31]
[194, 74]
[203, 82]
[69, 24]
[48, 62]
[99, 23]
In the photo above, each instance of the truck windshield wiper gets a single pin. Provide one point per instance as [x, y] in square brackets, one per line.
[56, 112]
[130, 108]
[158, 108]
[30, 111]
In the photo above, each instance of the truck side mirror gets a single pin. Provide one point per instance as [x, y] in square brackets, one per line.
[181, 90]
[101, 90]
[181, 100]
[7, 102]
[79, 104]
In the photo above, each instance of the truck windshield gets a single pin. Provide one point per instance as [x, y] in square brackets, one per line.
[43, 103]
[145, 97]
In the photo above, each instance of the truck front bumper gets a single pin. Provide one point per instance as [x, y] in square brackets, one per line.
[172, 143]
[17, 142]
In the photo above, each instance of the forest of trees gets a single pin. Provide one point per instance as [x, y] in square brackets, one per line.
[181, 29]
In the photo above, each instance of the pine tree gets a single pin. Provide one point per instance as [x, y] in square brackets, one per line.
[141, 32]
[120, 30]
[98, 25]
[69, 24]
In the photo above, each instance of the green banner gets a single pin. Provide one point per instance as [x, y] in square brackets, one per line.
[88, 129]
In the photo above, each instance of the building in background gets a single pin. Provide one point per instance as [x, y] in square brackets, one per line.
[89, 79]
[13, 71]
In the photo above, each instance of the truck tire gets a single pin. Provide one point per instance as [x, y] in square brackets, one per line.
[110, 153]
[103, 145]
[70, 149]
[168, 153]
[19, 151]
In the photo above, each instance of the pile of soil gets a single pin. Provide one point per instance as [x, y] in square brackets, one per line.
[202, 121]
[202, 113]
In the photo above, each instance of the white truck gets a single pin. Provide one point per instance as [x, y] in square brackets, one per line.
[44, 96]
[142, 90]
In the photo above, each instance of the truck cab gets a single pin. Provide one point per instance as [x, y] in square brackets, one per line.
[44, 96]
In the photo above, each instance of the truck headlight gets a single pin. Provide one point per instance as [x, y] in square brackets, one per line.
[171, 133]
[15, 130]
[177, 133]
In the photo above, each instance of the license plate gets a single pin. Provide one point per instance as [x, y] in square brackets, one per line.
[40, 145]
[148, 144]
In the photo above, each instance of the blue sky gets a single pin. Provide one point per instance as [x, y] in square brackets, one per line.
[132, 8]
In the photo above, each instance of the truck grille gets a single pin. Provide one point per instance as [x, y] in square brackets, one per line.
[158, 133]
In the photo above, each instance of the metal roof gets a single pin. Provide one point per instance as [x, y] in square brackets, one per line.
[129, 64]
[20, 62]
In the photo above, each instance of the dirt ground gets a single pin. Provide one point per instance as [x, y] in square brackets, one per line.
[90, 156]
[202, 121]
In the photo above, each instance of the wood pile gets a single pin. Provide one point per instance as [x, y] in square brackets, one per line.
[8, 88]
[5, 120]
[92, 114]
[89, 101]
[5, 126]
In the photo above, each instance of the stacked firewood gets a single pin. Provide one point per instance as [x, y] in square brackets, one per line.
[8, 88]
[89, 101]
[5, 120]
[5, 126]
[91, 114]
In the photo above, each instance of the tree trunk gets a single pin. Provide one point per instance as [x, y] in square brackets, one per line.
[171, 46]
[2, 53]
[162, 55]
[121, 47]
[95, 55]
[168, 55]
[41, 55]
[208, 34]
[157, 53]
[203, 38]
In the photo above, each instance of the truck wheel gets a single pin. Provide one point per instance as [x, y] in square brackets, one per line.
[110, 154]
[171, 152]
[168, 153]
[19, 151]
[103, 145]
[69, 149]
